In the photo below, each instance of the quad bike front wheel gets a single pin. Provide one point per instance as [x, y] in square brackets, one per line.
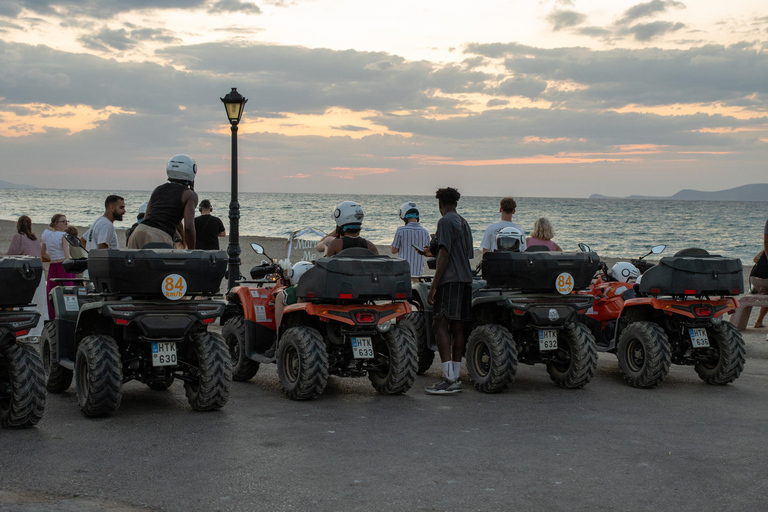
[491, 358]
[644, 354]
[243, 369]
[395, 357]
[574, 363]
[98, 375]
[211, 372]
[302, 363]
[57, 378]
[416, 323]
[22, 386]
[726, 355]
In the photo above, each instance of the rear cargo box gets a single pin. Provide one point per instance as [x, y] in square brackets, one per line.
[538, 271]
[19, 277]
[356, 274]
[694, 275]
[146, 272]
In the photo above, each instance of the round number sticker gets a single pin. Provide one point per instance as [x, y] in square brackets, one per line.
[174, 286]
[564, 283]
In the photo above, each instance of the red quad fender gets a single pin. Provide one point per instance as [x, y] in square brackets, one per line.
[348, 314]
[258, 303]
[691, 308]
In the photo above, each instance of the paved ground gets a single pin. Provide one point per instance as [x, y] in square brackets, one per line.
[683, 446]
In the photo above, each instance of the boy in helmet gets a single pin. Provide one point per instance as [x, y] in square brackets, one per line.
[169, 204]
[349, 221]
[410, 235]
[507, 207]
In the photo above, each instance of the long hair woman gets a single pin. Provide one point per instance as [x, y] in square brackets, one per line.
[56, 248]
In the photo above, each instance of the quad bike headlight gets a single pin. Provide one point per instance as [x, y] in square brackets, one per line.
[385, 326]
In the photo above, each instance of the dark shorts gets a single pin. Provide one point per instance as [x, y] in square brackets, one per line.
[454, 301]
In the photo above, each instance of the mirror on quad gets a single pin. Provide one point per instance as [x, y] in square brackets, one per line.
[584, 247]
[257, 248]
[658, 249]
[73, 240]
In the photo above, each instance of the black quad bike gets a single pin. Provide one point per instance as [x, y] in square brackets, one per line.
[143, 316]
[22, 391]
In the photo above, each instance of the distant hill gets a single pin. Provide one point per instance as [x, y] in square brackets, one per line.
[754, 192]
[8, 184]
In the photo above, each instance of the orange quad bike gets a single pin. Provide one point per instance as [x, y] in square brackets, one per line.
[675, 316]
[343, 324]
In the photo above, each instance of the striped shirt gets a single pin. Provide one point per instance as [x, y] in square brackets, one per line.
[406, 236]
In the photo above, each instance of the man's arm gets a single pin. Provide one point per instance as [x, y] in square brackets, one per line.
[372, 248]
[102, 246]
[765, 242]
[190, 203]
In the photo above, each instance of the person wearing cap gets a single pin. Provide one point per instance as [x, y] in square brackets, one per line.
[208, 228]
[139, 218]
[409, 236]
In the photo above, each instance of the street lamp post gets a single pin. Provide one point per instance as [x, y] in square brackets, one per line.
[234, 102]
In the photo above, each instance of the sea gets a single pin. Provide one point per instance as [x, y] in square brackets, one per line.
[617, 228]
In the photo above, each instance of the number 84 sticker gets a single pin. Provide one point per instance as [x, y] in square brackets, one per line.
[174, 286]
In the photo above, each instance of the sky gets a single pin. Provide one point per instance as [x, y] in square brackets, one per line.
[534, 98]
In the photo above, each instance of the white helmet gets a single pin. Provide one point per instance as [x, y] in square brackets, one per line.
[623, 272]
[348, 212]
[509, 239]
[298, 270]
[143, 207]
[182, 168]
[409, 208]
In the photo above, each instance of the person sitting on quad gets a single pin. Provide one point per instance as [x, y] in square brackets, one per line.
[169, 204]
[349, 221]
[507, 207]
[288, 295]
[542, 235]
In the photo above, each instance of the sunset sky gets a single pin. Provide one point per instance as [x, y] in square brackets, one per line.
[554, 98]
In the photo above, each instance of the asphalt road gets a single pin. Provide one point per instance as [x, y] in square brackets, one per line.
[683, 446]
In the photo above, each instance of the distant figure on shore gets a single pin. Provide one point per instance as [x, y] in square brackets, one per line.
[139, 219]
[169, 205]
[208, 228]
[25, 243]
[542, 234]
[102, 234]
[55, 249]
[410, 235]
[507, 207]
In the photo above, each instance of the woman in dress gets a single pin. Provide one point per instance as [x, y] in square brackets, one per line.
[56, 248]
[542, 234]
[25, 243]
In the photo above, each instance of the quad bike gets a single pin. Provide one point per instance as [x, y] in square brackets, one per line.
[344, 324]
[22, 391]
[143, 316]
[674, 313]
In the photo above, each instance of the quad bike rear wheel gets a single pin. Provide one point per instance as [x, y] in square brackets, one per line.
[574, 363]
[212, 372]
[243, 369]
[416, 323]
[491, 358]
[98, 375]
[727, 355]
[395, 353]
[302, 363]
[57, 378]
[22, 386]
[644, 354]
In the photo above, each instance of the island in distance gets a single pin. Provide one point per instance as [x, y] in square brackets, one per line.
[754, 192]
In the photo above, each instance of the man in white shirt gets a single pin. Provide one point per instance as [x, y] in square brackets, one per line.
[507, 208]
[102, 234]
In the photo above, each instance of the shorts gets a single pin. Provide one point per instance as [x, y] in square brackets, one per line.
[289, 295]
[144, 235]
[758, 285]
[454, 301]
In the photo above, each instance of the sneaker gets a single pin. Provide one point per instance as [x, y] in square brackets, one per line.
[444, 387]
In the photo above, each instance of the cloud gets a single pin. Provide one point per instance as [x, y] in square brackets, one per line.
[521, 86]
[561, 19]
[222, 6]
[648, 31]
[9, 8]
[102, 9]
[647, 9]
[107, 39]
[350, 128]
[8, 25]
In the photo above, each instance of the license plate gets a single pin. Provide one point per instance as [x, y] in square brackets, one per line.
[163, 353]
[547, 339]
[699, 338]
[362, 348]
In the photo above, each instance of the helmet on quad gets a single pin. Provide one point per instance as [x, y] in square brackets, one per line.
[181, 168]
[623, 272]
[409, 210]
[348, 215]
[298, 270]
[509, 239]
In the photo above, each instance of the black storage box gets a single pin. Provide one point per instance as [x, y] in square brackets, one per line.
[356, 274]
[142, 272]
[19, 277]
[538, 271]
[694, 275]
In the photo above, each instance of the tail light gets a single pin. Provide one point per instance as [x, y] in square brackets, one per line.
[689, 292]
[21, 333]
[702, 311]
[209, 320]
[121, 321]
[345, 296]
[365, 318]
[399, 295]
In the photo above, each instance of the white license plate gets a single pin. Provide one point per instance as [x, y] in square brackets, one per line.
[362, 348]
[163, 353]
[699, 338]
[547, 339]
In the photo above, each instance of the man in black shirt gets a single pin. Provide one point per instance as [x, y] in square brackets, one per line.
[208, 228]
